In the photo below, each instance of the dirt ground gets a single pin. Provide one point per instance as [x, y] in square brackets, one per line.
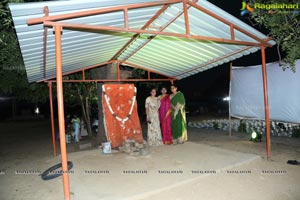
[26, 150]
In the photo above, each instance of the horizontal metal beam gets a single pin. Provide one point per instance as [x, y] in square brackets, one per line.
[77, 70]
[106, 29]
[161, 29]
[213, 61]
[82, 70]
[113, 80]
[99, 11]
[232, 26]
[144, 68]
[148, 23]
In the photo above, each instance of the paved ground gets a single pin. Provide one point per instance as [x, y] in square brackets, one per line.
[238, 168]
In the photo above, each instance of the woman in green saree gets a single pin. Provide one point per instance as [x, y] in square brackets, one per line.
[179, 129]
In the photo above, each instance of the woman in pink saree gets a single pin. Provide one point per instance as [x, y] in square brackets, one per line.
[165, 116]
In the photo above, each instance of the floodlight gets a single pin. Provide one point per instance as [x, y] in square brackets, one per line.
[37, 110]
[256, 137]
[226, 99]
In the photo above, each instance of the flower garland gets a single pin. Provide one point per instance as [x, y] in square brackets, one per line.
[122, 120]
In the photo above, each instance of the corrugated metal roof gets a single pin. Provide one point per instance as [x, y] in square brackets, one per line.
[177, 57]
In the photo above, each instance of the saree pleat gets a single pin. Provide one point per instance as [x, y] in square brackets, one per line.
[165, 119]
[179, 128]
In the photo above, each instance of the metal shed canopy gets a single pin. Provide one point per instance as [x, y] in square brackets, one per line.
[176, 38]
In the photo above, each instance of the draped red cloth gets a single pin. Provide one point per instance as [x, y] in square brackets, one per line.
[120, 99]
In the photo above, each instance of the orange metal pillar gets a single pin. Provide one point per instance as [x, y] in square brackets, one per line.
[119, 73]
[83, 74]
[126, 18]
[61, 116]
[46, 12]
[266, 102]
[186, 18]
[52, 118]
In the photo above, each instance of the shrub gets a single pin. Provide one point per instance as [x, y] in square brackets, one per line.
[242, 127]
[296, 132]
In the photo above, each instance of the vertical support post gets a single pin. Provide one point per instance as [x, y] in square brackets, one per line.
[126, 26]
[232, 32]
[149, 77]
[46, 14]
[119, 74]
[83, 74]
[229, 101]
[52, 118]
[266, 102]
[61, 116]
[186, 18]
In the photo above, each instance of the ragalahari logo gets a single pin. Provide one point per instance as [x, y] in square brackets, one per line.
[246, 8]
[270, 8]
